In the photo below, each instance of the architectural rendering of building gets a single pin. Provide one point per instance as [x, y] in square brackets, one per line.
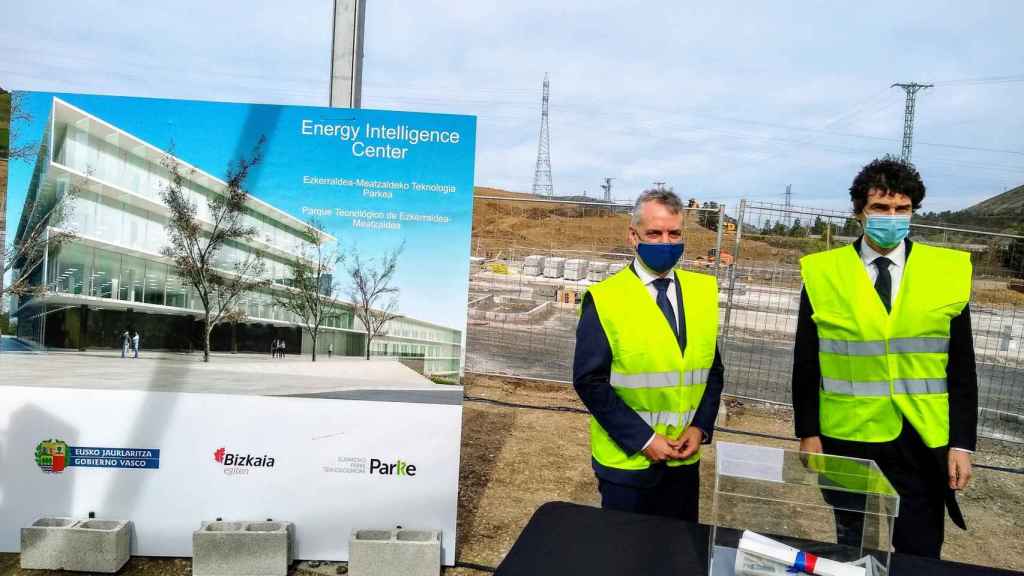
[111, 276]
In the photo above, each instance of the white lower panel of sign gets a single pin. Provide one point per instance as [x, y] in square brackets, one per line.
[168, 461]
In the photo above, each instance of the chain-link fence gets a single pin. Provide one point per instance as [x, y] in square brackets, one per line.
[532, 260]
[534, 257]
[762, 294]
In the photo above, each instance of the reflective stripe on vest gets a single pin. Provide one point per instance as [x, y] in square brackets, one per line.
[881, 388]
[659, 379]
[877, 347]
[648, 372]
[893, 363]
[676, 419]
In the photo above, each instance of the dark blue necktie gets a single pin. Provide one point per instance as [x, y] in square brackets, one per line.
[661, 284]
[883, 284]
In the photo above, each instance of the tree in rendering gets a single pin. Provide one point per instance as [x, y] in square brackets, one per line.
[311, 285]
[374, 298]
[197, 244]
[44, 223]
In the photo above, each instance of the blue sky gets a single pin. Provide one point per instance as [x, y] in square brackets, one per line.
[434, 266]
[722, 101]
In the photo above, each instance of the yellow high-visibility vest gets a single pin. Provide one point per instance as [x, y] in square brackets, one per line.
[878, 368]
[649, 373]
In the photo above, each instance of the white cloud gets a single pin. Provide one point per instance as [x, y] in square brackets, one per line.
[732, 99]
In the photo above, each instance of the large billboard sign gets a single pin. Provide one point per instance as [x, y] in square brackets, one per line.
[171, 257]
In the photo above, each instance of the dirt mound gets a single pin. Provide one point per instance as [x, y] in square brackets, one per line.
[519, 223]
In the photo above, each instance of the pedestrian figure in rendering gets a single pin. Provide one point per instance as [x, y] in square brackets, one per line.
[883, 365]
[648, 369]
[330, 351]
[135, 343]
[125, 343]
[282, 350]
[273, 348]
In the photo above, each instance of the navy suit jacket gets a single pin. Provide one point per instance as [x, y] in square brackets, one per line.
[591, 376]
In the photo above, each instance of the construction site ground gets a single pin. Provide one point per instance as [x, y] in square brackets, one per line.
[514, 459]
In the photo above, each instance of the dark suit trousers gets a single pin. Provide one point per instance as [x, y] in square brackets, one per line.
[918, 476]
[676, 494]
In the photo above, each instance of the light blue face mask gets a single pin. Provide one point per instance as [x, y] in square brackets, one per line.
[887, 231]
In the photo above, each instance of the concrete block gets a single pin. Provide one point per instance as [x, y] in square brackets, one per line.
[597, 271]
[242, 548]
[554, 267]
[42, 544]
[98, 546]
[81, 546]
[394, 553]
[576, 269]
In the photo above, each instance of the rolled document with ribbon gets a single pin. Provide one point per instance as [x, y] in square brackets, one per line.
[797, 561]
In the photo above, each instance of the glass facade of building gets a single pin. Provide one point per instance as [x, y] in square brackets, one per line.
[118, 219]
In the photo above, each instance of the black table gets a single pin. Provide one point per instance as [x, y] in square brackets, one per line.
[563, 538]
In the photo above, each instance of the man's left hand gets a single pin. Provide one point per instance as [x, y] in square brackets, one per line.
[689, 442]
[959, 469]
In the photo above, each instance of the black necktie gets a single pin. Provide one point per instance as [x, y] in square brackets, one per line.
[883, 284]
[666, 307]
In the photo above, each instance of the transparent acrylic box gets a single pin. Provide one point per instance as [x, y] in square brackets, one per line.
[799, 499]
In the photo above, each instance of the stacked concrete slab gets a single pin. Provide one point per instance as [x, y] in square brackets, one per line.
[242, 548]
[394, 553]
[554, 267]
[575, 269]
[533, 265]
[614, 267]
[597, 271]
[78, 545]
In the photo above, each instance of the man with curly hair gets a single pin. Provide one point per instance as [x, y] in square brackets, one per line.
[884, 359]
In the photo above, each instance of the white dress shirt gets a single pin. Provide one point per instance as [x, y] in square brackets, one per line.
[648, 277]
[898, 256]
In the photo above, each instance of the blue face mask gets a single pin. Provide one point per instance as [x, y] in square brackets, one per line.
[659, 257]
[887, 231]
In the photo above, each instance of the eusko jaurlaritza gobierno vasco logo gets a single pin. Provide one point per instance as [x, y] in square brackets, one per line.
[54, 455]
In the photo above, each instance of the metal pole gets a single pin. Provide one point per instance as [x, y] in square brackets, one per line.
[346, 86]
[718, 239]
[732, 274]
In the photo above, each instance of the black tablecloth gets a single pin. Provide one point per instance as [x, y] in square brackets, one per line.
[564, 538]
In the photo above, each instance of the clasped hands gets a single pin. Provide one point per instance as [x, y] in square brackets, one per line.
[663, 448]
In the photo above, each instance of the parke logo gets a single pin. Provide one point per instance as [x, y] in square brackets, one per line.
[371, 466]
[239, 464]
[396, 468]
[53, 456]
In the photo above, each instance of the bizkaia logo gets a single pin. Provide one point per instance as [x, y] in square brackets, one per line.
[236, 464]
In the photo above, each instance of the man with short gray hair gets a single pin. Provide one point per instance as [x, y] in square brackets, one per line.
[647, 367]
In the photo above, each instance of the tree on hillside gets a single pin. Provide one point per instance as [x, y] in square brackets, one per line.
[311, 285]
[196, 245]
[709, 216]
[851, 228]
[818, 228]
[797, 229]
[374, 298]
